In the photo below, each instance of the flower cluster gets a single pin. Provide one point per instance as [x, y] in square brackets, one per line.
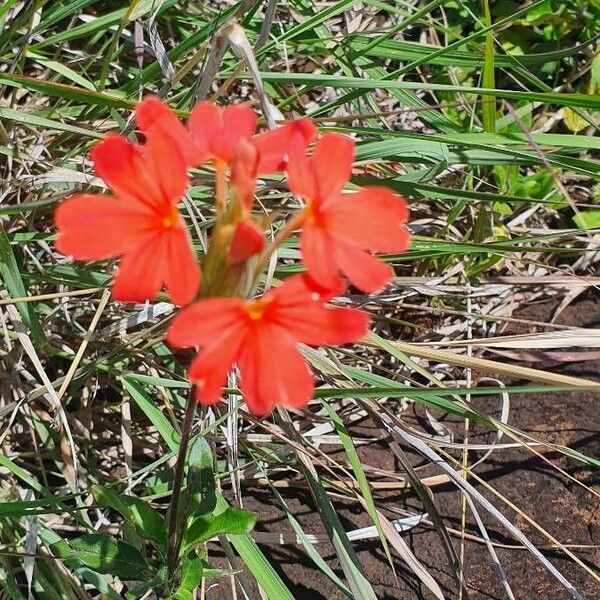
[141, 223]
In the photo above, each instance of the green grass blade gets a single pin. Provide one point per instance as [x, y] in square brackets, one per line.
[488, 108]
[257, 564]
[156, 416]
[360, 475]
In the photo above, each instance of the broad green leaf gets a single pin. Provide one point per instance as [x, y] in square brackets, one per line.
[573, 121]
[105, 554]
[182, 594]
[191, 577]
[148, 522]
[587, 219]
[201, 484]
[232, 521]
[138, 591]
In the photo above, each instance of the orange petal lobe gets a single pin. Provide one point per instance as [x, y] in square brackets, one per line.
[301, 176]
[300, 309]
[239, 123]
[372, 219]
[203, 322]
[325, 325]
[317, 253]
[205, 124]
[154, 117]
[247, 241]
[209, 369]
[119, 163]
[273, 371]
[166, 166]
[183, 271]
[274, 147]
[141, 272]
[366, 272]
[332, 164]
[94, 227]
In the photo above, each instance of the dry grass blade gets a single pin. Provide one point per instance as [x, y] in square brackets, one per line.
[411, 560]
[491, 366]
[435, 458]
[578, 337]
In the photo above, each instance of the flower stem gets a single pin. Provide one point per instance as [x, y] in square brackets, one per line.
[174, 538]
[294, 223]
[220, 187]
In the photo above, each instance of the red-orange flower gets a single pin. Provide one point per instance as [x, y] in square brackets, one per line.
[214, 133]
[341, 229]
[140, 222]
[262, 337]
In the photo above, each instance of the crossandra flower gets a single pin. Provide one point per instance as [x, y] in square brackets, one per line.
[140, 222]
[214, 133]
[340, 230]
[262, 336]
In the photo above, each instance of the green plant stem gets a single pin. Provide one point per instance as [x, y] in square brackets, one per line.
[292, 225]
[174, 539]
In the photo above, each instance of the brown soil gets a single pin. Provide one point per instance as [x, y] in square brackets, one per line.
[560, 505]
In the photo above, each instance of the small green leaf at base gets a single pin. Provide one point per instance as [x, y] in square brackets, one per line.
[104, 554]
[231, 521]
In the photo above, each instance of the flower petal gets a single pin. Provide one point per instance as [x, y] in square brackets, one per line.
[209, 369]
[300, 309]
[152, 114]
[205, 124]
[141, 273]
[274, 147]
[247, 241]
[317, 253]
[94, 227]
[366, 272]
[301, 177]
[203, 322]
[319, 325]
[273, 371]
[332, 164]
[373, 219]
[239, 123]
[183, 271]
[120, 164]
[302, 289]
[166, 165]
